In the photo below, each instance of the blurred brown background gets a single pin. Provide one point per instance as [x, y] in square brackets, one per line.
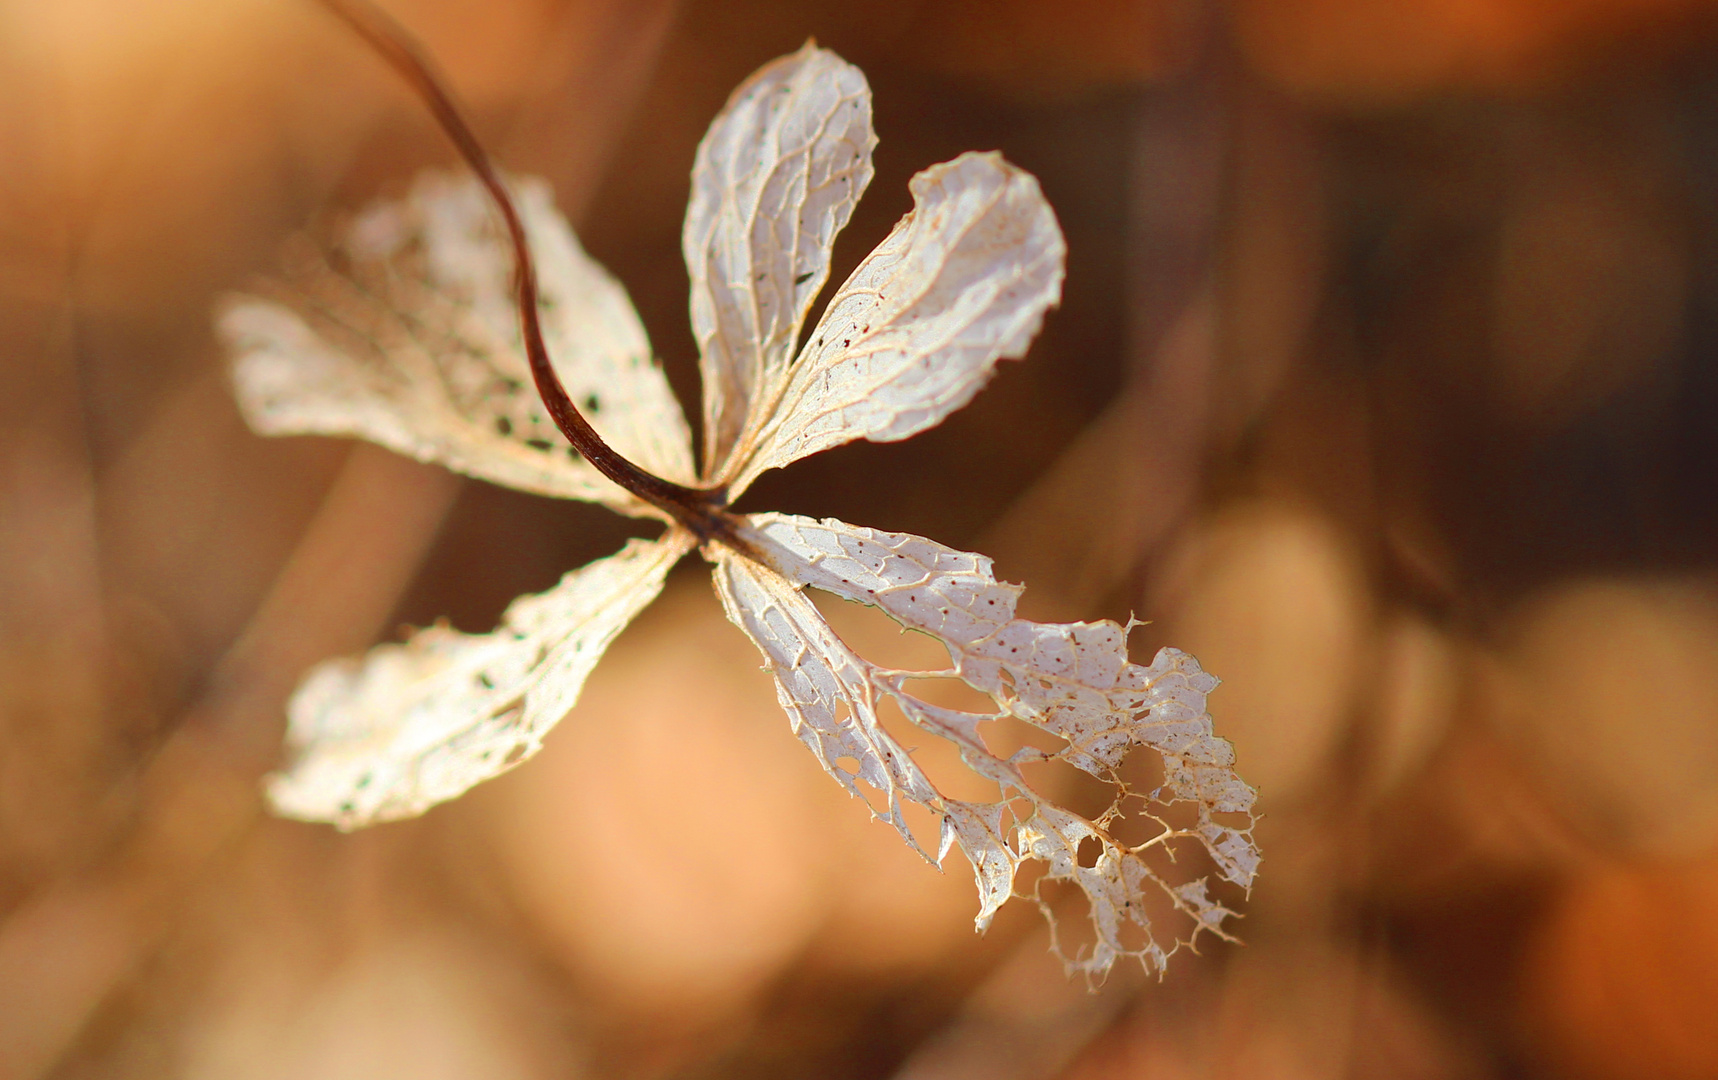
[1385, 383]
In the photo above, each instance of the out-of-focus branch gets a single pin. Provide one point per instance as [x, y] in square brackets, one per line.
[63, 951]
[1128, 479]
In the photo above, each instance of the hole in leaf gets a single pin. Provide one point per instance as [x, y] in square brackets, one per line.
[937, 757]
[1007, 734]
[1090, 848]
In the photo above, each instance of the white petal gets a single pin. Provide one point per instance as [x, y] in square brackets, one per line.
[1113, 885]
[414, 343]
[408, 726]
[774, 180]
[1073, 680]
[825, 689]
[962, 282]
[977, 827]
[831, 695]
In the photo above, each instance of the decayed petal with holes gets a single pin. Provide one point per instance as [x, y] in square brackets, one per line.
[825, 689]
[833, 696]
[961, 283]
[774, 181]
[1114, 884]
[411, 725]
[1073, 680]
[407, 335]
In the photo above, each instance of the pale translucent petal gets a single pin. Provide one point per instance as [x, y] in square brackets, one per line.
[977, 828]
[392, 734]
[831, 697]
[407, 336]
[774, 180]
[825, 689]
[962, 283]
[1113, 885]
[1074, 681]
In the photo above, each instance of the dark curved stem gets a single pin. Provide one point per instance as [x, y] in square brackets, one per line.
[699, 509]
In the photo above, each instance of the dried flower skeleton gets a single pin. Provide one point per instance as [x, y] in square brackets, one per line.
[408, 336]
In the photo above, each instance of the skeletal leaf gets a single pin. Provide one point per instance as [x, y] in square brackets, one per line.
[416, 724]
[962, 282]
[1073, 680]
[408, 336]
[833, 696]
[774, 181]
[997, 839]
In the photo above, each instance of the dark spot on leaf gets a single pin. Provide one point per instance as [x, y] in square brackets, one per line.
[803, 278]
[591, 403]
[503, 425]
[539, 444]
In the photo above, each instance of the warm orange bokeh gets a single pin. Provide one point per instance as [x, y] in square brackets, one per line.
[1382, 382]
[1624, 972]
[1371, 52]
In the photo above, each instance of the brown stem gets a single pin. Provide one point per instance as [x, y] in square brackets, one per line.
[700, 509]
